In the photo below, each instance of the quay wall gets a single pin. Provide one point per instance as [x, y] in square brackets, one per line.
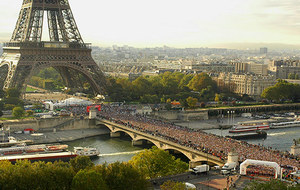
[206, 113]
[50, 124]
[181, 115]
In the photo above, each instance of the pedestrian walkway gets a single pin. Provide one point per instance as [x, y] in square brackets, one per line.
[221, 183]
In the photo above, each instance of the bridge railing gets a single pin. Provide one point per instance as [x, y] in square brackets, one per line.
[163, 140]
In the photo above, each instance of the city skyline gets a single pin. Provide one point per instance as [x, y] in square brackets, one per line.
[192, 23]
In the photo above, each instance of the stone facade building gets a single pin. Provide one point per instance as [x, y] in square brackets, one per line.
[252, 85]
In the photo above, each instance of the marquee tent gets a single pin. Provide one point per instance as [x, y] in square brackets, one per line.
[73, 102]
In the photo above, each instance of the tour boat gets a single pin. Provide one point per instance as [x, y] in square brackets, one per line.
[285, 124]
[37, 153]
[249, 135]
[248, 128]
[12, 141]
[86, 151]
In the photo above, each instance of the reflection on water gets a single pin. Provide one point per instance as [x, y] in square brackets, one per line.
[111, 149]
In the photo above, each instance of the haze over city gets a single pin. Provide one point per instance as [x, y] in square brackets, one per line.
[191, 23]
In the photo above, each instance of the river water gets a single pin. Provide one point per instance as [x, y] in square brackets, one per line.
[120, 149]
[111, 149]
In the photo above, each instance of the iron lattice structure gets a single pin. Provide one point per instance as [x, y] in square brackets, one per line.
[26, 53]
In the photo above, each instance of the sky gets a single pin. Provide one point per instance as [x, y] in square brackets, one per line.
[176, 23]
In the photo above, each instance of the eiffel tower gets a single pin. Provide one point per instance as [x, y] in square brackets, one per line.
[26, 53]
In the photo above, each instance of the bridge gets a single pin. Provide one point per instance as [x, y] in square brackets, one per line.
[195, 157]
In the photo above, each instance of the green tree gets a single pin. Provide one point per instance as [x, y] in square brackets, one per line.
[291, 76]
[14, 101]
[122, 176]
[273, 184]
[9, 106]
[141, 86]
[18, 112]
[282, 90]
[202, 81]
[191, 102]
[217, 97]
[87, 180]
[156, 162]
[2, 93]
[174, 186]
[81, 163]
[185, 81]
[150, 99]
[170, 82]
[13, 93]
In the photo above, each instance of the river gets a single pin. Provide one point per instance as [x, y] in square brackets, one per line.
[120, 149]
[111, 149]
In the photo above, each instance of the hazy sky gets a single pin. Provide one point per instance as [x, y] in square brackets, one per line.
[177, 23]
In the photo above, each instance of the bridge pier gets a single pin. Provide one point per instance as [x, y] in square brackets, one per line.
[115, 134]
[137, 143]
[295, 149]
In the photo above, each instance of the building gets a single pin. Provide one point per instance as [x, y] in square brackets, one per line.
[241, 67]
[214, 67]
[252, 85]
[258, 69]
[283, 68]
[263, 50]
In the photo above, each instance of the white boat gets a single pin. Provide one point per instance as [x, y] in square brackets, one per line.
[248, 128]
[285, 124]
[12, 141]
[86, 151]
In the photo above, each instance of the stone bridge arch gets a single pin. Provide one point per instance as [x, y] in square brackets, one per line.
[195, 157]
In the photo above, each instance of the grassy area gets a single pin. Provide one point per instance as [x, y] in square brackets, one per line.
[29, 89]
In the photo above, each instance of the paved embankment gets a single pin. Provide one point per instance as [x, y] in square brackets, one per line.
[61, 136]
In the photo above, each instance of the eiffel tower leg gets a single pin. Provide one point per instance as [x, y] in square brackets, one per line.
[66, 76]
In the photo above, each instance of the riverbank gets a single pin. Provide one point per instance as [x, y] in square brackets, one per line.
[62, 136]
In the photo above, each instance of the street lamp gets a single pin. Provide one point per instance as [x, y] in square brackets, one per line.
[232, 115]
[228, 116]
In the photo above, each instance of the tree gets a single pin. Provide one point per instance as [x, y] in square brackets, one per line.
[273, 184]
[87, 180]
[170, 82]
[202, 81]
[81, 163]
[172, 185]
[2, 93]
[191, 102]
[185, 81]
[150, 99]
[39, 175]
[291, 76]
[282, 90]
[18, 112]
[13, 93]
[122, 176]
[217, 97]
[156, 162]
[141, 86]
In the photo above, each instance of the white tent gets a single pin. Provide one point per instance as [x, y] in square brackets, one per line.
[72, 102]
[243, 166]
[49, 105]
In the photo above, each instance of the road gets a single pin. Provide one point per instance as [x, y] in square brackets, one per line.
[213, 180]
